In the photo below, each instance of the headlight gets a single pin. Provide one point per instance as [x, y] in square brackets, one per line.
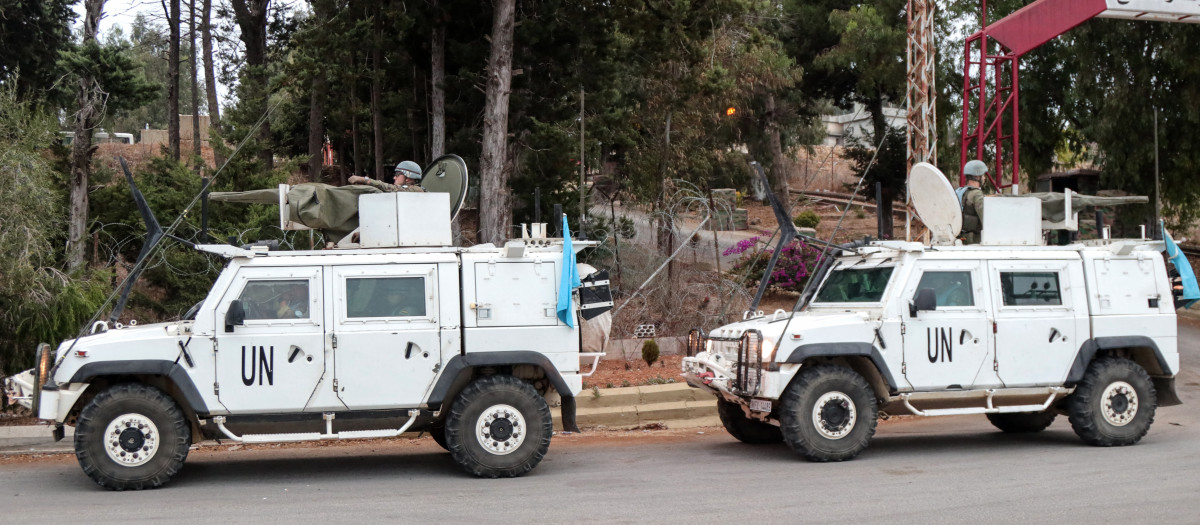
[768, 351]
[41, 373]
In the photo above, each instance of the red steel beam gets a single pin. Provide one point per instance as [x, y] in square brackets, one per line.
[1037, 23]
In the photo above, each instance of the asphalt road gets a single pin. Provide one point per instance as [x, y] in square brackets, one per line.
[935, 470]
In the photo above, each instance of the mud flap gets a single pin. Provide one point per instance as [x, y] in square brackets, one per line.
[1164, 389]
[568, 414]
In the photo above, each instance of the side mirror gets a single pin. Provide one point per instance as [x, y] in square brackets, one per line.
[235, 316]
[925, 301]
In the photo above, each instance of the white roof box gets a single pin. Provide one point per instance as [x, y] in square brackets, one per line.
[403, 219]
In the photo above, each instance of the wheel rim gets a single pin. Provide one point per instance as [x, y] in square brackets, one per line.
[834, 415]
[131, 439]
[1119, 403]
[500, 429]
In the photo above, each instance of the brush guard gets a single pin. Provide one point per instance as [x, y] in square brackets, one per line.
[747, 371]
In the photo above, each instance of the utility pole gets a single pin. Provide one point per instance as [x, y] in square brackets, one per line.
[582, 188]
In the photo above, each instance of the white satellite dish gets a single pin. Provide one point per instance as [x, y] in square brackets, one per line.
[935, 203]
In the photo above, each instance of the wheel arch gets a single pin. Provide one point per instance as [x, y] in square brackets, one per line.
[462, 369]
[167, 376]
[863, 358]
[1137, 348]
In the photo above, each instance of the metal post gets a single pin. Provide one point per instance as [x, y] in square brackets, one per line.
[1157, 232]
[558, 220]
[582, 186]
[879, 219]
[537, 205]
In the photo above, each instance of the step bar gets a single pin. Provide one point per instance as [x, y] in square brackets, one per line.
[1053, 393]
[317, 436]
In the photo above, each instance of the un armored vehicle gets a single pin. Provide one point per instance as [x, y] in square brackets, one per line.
[1011, 328]
[392, 331]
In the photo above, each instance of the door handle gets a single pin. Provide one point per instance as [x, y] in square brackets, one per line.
[295, 352]
[1054, 333]
[408, 350]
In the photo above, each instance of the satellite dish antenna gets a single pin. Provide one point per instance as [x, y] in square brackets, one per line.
[447, 174]
[935, 203]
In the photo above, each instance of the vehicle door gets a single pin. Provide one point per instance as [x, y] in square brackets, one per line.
[275, 358]
[388, 346]
[1036, 323]
[950, 346]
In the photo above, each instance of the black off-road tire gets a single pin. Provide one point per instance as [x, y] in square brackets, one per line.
[1023, 422]
[115, 423]
[509, 416]
[1114, 404]
[745, 429]
[828, 413]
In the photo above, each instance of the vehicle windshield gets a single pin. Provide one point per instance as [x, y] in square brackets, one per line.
[851, 285]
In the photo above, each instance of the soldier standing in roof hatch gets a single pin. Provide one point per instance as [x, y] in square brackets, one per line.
[408, 178]
[970, 200]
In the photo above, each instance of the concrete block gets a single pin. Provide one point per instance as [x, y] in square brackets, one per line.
[666, 393]
[612, 417]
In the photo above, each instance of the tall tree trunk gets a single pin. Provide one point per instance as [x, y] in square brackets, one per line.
[437, 99]
[210, 77]
[495, 204]
[89, 100]
[171, 7]
[195, 85]
[376, 92]
[779, 172]
[316, 107]
[251, 17]
[666, 222]
[437, 77]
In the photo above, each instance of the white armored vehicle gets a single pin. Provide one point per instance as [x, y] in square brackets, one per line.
[398, 332]
[1009, 328]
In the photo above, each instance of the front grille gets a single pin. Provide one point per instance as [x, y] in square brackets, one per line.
[749, 363]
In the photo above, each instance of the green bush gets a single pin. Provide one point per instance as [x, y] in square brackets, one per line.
[650, 352]
[807, 219]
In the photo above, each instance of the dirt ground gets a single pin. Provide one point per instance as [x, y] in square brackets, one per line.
[615, 373]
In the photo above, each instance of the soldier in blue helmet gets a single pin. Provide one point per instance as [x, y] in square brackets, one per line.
[408, 178]
[970, 199]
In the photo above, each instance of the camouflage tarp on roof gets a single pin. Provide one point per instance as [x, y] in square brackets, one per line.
[331, 209]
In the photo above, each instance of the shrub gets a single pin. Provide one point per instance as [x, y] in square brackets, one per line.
[792, 270]
[650, 352]
[807, 219]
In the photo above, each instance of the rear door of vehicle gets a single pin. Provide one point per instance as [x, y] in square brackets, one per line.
[1039, 313]
[385, 322]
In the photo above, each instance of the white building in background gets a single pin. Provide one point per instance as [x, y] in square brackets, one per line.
[844, 128]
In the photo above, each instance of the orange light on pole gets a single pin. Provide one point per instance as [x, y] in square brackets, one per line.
[731, 111]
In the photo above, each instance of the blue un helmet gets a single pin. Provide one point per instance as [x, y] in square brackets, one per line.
[409, 169]
[976, 169]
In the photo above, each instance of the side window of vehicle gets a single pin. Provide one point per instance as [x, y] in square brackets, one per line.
[385, 297]
[1030, 288]
[952, 288]
[275, 299]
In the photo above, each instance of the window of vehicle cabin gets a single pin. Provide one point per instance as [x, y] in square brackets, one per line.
[385, 297]
[852, 285]
[1030, 288]
[282, 299]
[952, 288]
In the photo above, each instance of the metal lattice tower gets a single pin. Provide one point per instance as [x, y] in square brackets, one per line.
[920, 97]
